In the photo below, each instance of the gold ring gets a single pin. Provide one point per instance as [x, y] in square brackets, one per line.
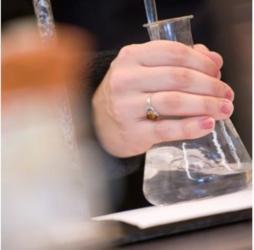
[151, 113]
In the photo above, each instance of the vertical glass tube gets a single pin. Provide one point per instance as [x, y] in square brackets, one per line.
[45, 20]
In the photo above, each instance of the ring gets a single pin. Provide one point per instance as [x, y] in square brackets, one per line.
[151, 113]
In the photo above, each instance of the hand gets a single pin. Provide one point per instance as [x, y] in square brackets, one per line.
[182, 81]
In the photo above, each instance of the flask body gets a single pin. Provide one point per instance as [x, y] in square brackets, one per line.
[213, 165]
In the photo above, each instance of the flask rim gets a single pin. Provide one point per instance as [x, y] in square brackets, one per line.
[170, 20]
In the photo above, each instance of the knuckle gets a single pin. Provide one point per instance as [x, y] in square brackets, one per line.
[181, 53]
[175, 52]
[127, 51]
[183, 78]
[118, 81]
[201, 47]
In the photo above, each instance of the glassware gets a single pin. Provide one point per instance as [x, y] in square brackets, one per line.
[45, 19]
[185, 170]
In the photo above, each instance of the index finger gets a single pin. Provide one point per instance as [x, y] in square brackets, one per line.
[170, 53]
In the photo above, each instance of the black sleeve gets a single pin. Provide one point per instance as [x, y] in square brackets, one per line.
[115, 167]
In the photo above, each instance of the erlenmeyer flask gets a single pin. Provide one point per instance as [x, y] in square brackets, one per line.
[185, 170]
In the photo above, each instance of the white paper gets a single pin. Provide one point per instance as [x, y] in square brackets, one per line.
[160, 215]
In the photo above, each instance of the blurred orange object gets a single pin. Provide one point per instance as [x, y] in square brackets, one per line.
[30, 61]
[46, 185]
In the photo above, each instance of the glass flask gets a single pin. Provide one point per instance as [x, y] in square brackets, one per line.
[213, 165]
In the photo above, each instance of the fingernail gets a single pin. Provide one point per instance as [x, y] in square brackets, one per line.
[207, 123]
[229, 95]
[226, 108]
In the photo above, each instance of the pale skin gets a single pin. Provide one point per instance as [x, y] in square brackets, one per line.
[183, 82]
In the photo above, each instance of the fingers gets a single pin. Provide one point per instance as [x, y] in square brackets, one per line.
[181, 105]
[179, 79]
[168, 53]
[173, 130]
